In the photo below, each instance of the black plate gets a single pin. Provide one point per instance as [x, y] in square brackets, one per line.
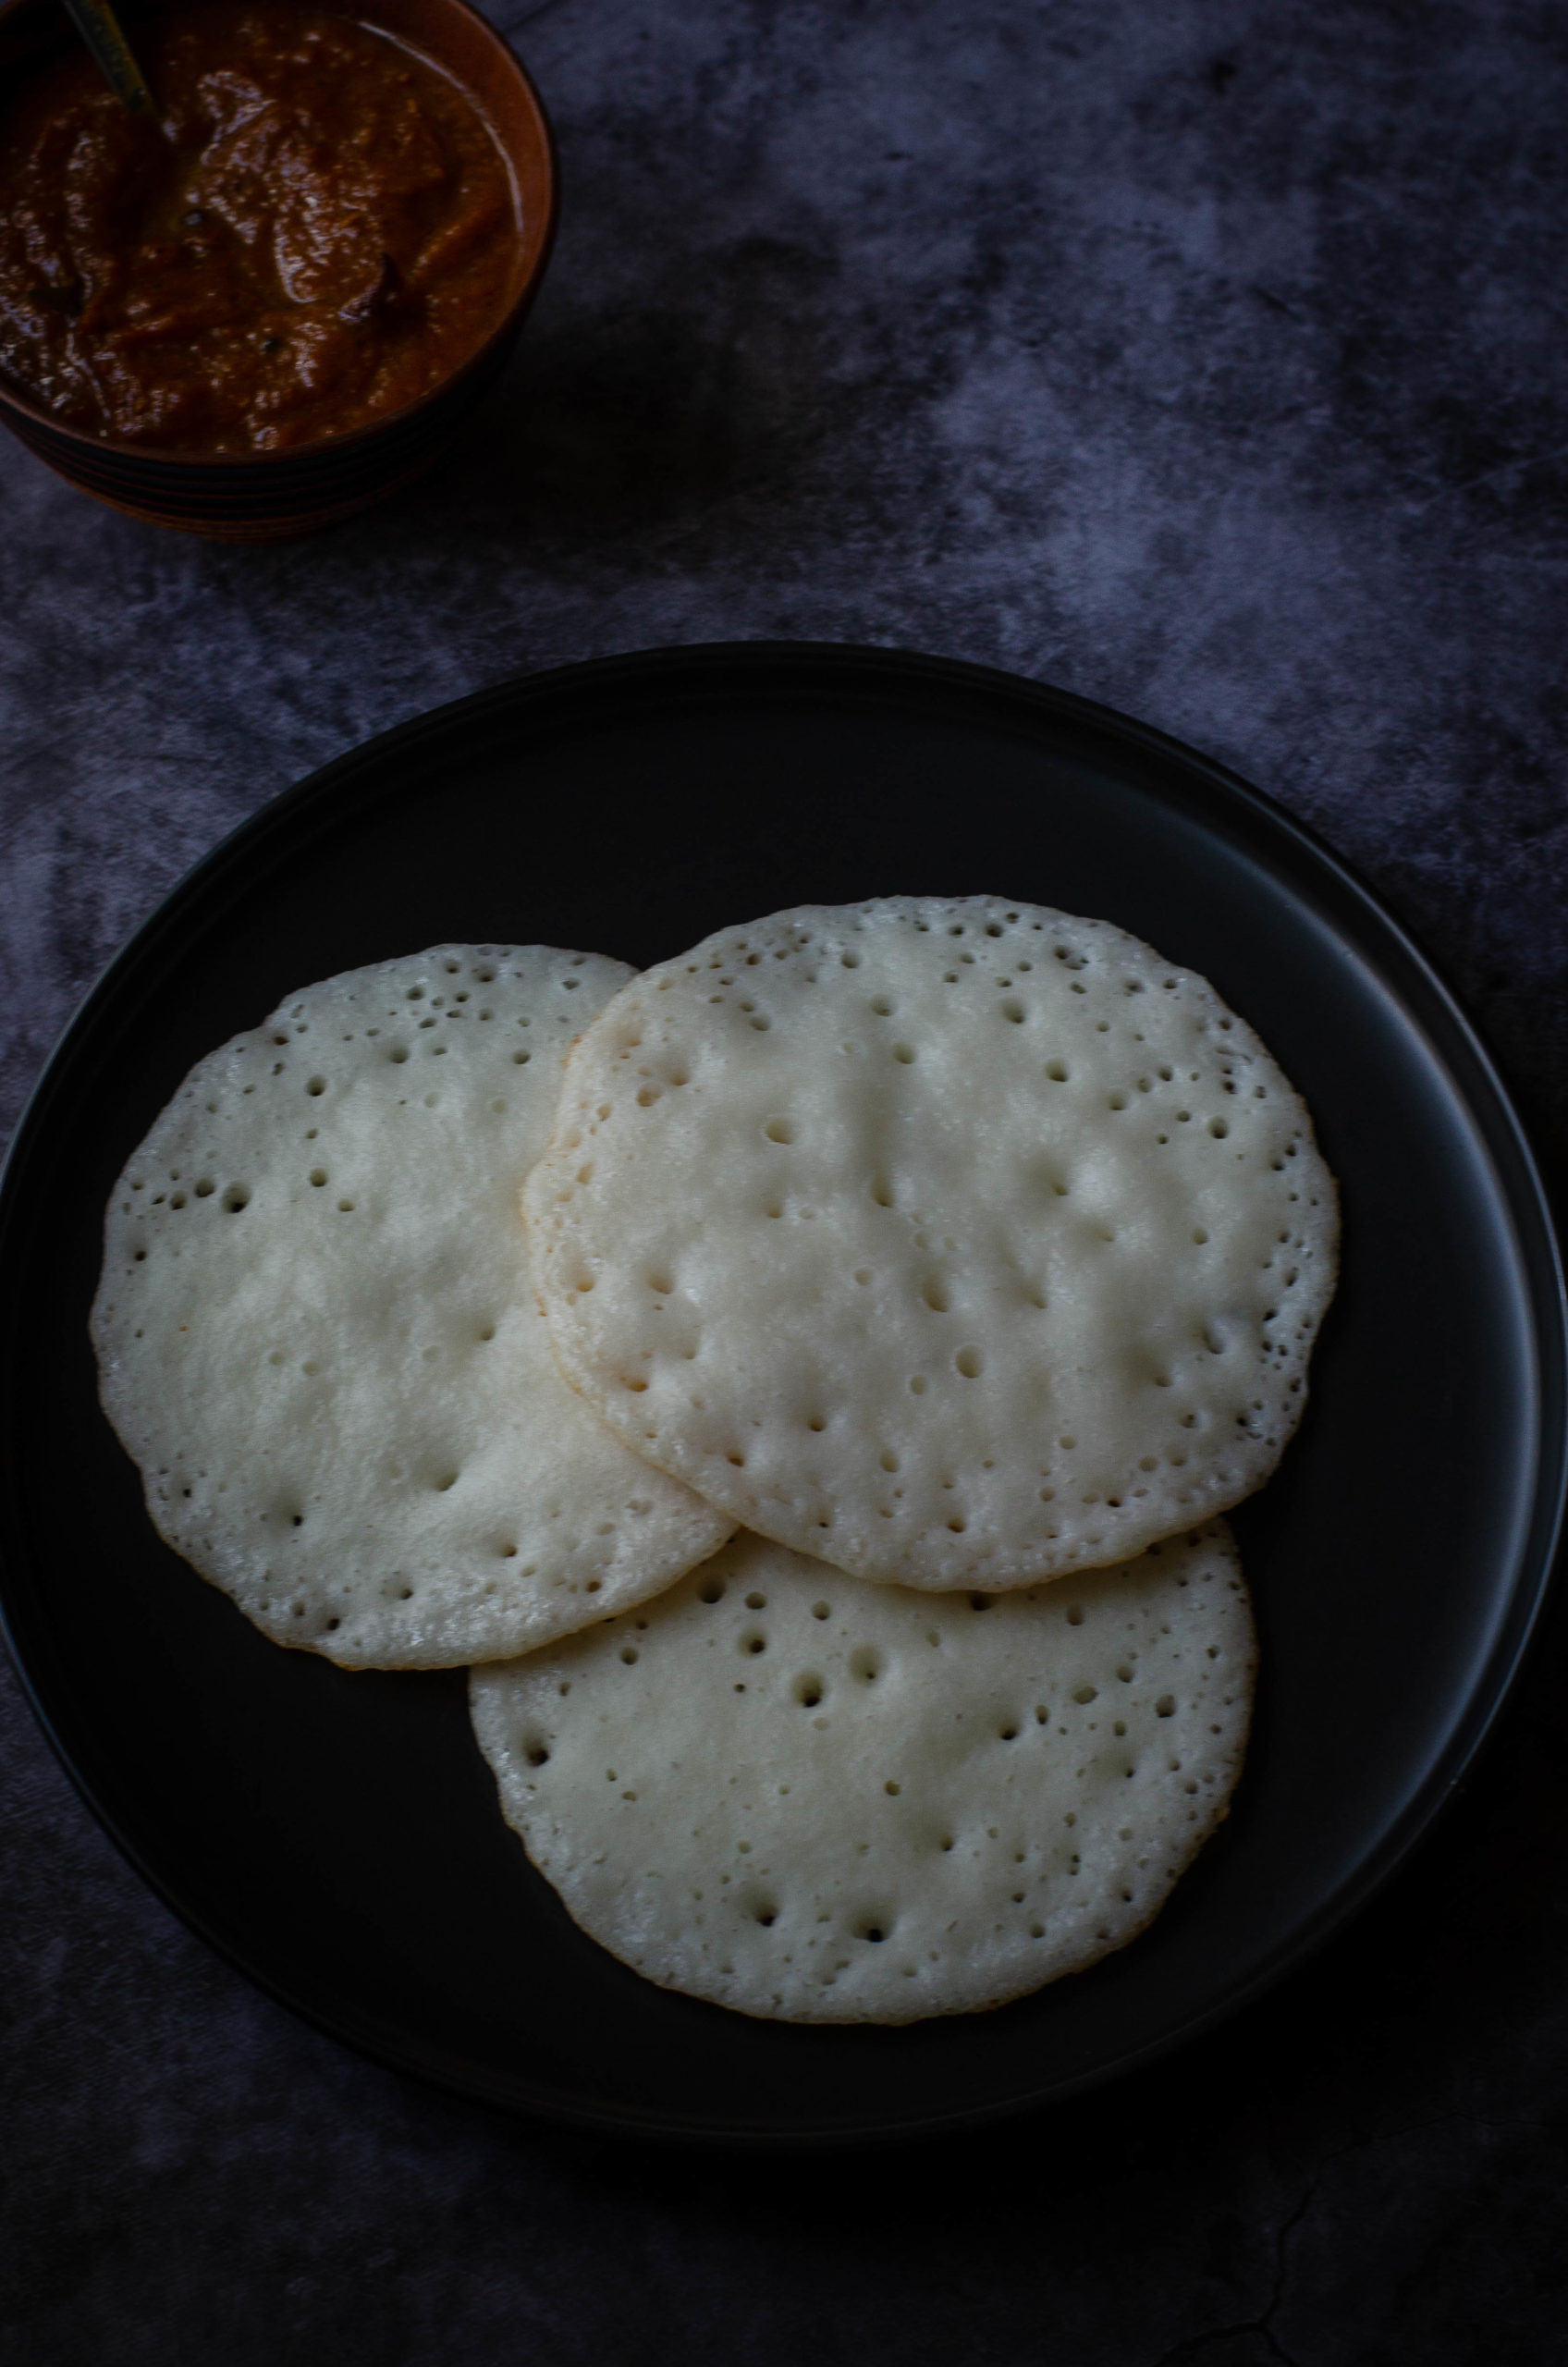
[338, 1836]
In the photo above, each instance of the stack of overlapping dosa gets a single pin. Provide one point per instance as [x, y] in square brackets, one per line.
[822, 1466]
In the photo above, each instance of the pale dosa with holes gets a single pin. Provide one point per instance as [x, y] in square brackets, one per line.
[957, 1242]
[317, 1334]
[808, 1797]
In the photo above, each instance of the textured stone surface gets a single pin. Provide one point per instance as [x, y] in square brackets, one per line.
[1204, 360]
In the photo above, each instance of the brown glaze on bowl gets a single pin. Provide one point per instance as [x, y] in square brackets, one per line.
[268, 495]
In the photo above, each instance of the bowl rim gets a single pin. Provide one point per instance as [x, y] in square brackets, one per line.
[132, 451]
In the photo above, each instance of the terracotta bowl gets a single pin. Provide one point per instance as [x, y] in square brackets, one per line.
[265, 496]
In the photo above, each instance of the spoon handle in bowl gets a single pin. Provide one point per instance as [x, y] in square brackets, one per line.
[100, 29]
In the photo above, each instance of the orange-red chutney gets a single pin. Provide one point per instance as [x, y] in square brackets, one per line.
[320, 228]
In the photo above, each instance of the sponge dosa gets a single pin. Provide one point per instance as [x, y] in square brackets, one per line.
[803, 1797]
[957, 1242]
[317, 1335]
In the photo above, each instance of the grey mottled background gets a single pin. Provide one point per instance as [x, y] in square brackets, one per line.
[1204, 358]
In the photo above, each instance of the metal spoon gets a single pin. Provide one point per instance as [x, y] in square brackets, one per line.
[100, 29]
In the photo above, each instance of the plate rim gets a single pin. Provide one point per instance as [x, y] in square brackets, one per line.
[326, 796]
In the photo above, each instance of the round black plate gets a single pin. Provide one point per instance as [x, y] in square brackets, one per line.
[338, 1836]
